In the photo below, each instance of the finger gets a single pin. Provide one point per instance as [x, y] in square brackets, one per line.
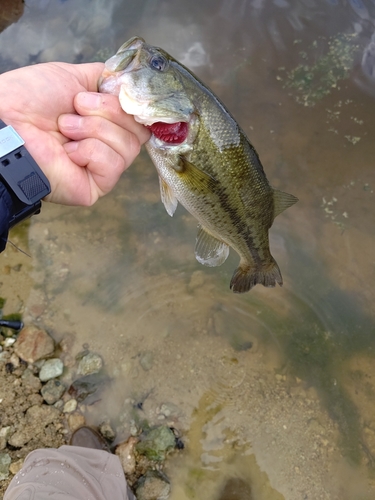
[108, 106]
[103, 163]
[123, 141]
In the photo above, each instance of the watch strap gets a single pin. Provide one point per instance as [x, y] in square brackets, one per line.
[21, 174]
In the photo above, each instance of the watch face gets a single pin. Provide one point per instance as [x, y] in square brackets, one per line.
[10, 140]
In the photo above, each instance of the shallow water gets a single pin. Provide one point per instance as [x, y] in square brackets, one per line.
[277, 386]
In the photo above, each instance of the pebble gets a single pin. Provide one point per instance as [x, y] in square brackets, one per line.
[16, 466]
[147, 360]
[33, 343]
[70, 406]
[9, 341]
[4, 434]
[5, 461]
[52, 391]
[168, 409]
[91, 363]
[52, 368]
[106, 431]
[153, 486]
[76, 420]
[15, 360]
[125, 452]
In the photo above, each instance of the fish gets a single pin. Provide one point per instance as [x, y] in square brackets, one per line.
[203, 158]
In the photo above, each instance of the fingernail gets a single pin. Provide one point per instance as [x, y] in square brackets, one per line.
[70, 146]
[89, 100]
[70, 122]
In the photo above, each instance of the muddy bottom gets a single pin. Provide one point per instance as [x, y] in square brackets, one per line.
[260, 392]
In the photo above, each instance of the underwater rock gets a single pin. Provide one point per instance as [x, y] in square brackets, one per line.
[236, 489]
[106, 431]
[52, 368]
[147, 360]
[89, 364]
[52, 391]
[125, 452]
[33, 343]
[156, 444]
[10, 12]
[87, 386]
[153, 486]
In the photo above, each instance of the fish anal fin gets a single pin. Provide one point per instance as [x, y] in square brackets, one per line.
[246, 277]
[282, 201]
[210, 251]
[167, 197]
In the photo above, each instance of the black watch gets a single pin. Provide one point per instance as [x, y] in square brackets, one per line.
[21, 175]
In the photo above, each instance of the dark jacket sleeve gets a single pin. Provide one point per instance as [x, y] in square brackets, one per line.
[6, 206]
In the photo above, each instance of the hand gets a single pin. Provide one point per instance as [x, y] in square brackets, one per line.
[82, 140]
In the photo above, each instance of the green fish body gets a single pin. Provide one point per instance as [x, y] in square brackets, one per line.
[203, 158]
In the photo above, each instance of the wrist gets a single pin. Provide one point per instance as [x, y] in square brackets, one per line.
[24, 182]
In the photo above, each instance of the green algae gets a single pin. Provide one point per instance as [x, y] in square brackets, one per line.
[312, 81]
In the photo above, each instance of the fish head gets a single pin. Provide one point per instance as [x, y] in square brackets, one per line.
[148, 83]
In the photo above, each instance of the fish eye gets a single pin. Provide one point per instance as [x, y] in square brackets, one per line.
[159, 63]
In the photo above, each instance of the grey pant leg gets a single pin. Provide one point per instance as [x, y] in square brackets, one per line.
[69, 473]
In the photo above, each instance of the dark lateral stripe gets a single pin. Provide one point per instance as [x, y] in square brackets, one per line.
[241, 226]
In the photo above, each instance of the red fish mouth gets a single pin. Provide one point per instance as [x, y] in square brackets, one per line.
[172, 133]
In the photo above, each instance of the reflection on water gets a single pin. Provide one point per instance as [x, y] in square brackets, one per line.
[275, 388]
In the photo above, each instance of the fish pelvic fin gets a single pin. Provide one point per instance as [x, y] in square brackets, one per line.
[245, 277]
[282, 201]
[168, 198]
[210, 251]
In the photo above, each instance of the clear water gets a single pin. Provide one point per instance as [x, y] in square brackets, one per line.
[277, 386]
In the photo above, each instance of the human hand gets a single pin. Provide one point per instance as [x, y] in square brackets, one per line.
[82, 140]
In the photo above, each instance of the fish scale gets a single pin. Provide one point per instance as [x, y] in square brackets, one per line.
[211, 168]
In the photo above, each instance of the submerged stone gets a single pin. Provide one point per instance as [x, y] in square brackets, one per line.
[236, 489]
[5, 461]
[147, 360]
[87, 386]
[90, 363]
[157, 443]
[153, 486]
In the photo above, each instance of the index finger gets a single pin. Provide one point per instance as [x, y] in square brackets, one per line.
[108, 106]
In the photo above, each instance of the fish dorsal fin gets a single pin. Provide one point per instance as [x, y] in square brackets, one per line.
[167, 197]
[282, 201]
[194, 177]
[210, 251]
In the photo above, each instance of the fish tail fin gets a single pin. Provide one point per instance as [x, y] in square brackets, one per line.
[246, 277]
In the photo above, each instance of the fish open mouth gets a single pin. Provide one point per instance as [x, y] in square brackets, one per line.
[172, 133]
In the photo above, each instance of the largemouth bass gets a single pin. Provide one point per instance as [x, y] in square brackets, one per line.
[203, 158]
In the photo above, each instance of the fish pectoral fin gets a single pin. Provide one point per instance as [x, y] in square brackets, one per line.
[194, 177]
[210, 251]
[282, 201]
[167, 197]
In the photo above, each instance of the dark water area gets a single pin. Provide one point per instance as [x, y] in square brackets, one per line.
[276, 387]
